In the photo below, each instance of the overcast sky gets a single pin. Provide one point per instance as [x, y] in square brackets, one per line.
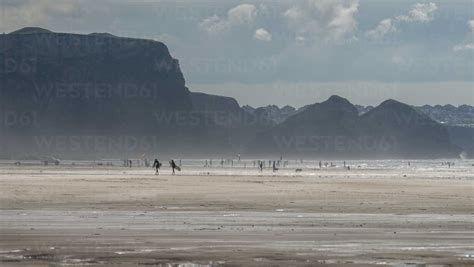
[289, 52]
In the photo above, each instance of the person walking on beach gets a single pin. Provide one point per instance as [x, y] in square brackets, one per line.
[173, 166]
[156, 166]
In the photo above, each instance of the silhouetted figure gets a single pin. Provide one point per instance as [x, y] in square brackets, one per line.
[157, 166]
[320, 165]
[173, 166]
[274, 167]
[130, 163]
[344, 163]
[260, 165]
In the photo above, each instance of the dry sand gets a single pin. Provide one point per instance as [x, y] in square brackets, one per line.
[99, 216]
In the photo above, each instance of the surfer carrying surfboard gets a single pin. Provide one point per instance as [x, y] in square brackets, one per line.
[157, 166]
[174, 166]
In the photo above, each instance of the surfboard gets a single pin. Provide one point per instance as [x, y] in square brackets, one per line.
[178, 168]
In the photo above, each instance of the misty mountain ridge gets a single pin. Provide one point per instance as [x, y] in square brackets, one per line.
[92, 95]
[463, 115]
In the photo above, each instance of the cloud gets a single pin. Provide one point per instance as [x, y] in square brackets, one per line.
[471, 25]
[22, 13]
[239, 15]
[343, 23]
[385, 26]
[465, 46]
[330, 21]
[419, 13]
[262, 35]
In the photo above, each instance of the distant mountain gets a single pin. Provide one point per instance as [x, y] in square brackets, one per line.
[237, 125]
[363, 109]
[30, 30]
[334, 128]
[272, 112]
[414, 133]
[450, 115]
[447, 114]
[248, 108]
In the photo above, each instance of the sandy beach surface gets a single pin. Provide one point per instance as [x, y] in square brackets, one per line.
[92, 215]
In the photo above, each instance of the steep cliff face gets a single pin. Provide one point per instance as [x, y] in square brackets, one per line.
[97, 85]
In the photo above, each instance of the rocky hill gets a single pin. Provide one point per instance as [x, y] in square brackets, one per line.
[334, 128]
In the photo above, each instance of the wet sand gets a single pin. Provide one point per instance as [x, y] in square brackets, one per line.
[99, 216]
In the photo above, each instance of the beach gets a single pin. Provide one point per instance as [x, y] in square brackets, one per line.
[376, 213]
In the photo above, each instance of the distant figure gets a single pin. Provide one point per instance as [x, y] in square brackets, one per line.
[238, 155]
[274, 167]
[260, 165]
[130, 163]
[156, 166]
[344, 163]
[408, 163]
[179, 163]
[320, 164]
[173, 166]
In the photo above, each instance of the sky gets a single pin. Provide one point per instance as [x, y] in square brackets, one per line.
[292, 52]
